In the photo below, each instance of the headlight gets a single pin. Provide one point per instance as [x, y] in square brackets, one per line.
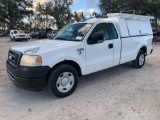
[28, 60]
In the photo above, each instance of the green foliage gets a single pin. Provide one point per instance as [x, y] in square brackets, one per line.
[59, 9]
[112, 6]
[77, 16]
[13, 11]
[142, 7]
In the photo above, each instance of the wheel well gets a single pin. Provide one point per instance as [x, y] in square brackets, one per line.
[71, 63]
[144, 48]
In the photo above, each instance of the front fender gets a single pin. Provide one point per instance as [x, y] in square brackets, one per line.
[62, 59]
[52, 57]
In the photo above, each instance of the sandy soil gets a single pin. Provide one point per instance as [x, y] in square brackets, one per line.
[118, 93]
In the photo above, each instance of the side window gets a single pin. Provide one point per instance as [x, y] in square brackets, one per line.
[99, 28]
[112, 31]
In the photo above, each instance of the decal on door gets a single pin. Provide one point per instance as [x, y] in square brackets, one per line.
[80, 50]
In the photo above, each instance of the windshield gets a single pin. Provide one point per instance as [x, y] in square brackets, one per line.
[18, 32]
[73, 32]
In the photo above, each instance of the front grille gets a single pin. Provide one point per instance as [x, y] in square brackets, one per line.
[14, 57]
[21, 35]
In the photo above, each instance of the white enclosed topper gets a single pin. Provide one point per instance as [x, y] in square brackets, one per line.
[128, 24]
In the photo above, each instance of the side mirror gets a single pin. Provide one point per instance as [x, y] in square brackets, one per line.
[97, 37]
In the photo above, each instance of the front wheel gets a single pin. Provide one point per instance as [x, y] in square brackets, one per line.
[63, 80]
[14, 39]
[140, 60]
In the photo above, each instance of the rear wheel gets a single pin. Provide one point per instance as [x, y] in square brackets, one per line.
[38, 37]
[140, 60]
[63, 80]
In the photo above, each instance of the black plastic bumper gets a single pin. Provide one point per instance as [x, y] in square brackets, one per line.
[28, 84]
[28, 78]
[151, 51]
[19, 39]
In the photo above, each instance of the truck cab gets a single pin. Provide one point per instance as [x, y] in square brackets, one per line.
[80, 49]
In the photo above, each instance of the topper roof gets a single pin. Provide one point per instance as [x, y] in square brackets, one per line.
[129, 16]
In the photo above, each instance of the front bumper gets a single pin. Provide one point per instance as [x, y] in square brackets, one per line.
[28, 78]
[17, 39]
[36, 84]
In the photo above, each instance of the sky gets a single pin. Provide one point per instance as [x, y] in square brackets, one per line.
[87, 6]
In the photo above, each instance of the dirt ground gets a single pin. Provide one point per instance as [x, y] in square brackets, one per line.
[119, 93]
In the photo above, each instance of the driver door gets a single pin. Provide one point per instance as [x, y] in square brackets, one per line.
[99, 55]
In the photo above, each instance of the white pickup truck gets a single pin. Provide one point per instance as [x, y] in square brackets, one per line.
[80, 49]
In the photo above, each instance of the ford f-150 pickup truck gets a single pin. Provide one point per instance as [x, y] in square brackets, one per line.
[80, 49]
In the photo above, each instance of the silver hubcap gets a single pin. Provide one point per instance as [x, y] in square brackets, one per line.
[65, 82]
[141, 59]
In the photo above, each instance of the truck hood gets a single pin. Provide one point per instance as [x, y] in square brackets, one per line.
[41, 43]
[20, 34]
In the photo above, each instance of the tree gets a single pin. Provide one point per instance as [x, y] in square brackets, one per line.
[153, 9]
[141, 7]
[112, 6]
[59, 9]
[13, 11]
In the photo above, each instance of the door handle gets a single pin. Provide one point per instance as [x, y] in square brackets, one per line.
[110, 46]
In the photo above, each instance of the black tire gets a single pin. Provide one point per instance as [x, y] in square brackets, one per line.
[56, 74]
[136, 63]
[38, 37]
[14, 39]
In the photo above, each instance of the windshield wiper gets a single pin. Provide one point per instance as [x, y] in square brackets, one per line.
[61, 38]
